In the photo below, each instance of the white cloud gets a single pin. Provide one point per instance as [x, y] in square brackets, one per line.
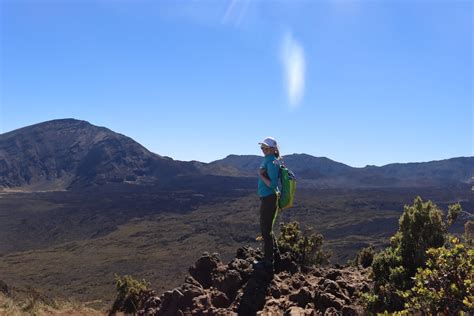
[293, 60]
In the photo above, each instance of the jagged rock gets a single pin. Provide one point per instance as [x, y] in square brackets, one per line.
[284, 275]
[249, 253]
[284, 289]
[190, 280]
[242, 266]
[350, 289]
[219, 299]
[298, 311]
[333, 288]
[170, 301]
[149, 303]
[272, 302]
[214, 288]
[341, 283]
[317, 273]
[333, 274]
[302, 297]
[343, 298]
[242, 252]
[330, 286]
[331, 311]
[296, 284]
[202, 302]
[326, 300]
[152, 302]
[229, 282]
[203, 268]
[275, 291]
[190, 291]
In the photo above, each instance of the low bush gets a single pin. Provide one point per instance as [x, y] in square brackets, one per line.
[365, 256]
[129, 291]
[469, 233]
[446, 284]
[422, 226]
[304, 246]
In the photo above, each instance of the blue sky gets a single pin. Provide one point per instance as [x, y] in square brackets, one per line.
[360, 82]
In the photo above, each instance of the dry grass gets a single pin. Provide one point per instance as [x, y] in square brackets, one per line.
[34, 306]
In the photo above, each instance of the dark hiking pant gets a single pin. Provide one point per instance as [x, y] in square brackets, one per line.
[268, 212]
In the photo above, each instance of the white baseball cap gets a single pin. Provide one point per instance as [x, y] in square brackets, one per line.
[270, 142]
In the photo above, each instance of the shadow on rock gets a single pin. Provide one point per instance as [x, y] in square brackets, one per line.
[255, 292]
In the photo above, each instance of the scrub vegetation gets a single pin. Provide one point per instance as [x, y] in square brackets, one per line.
[425, 269]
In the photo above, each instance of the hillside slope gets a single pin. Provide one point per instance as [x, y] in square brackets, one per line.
[68, 153]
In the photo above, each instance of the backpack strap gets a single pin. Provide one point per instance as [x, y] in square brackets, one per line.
[281, 164]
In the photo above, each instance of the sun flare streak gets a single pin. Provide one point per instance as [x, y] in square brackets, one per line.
[293, 61]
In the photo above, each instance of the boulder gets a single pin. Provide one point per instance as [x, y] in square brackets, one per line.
[302, 297]
[190, 291]
[228, 282]
[220, 300]
[170, 303]
[333, 274]
[202, 270]
[324, 301]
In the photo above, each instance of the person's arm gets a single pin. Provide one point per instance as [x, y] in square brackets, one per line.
[269, 176]
[262, 173]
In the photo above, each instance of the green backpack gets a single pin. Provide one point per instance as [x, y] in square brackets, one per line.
[288, 187]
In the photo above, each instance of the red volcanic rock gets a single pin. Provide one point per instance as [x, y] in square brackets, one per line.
[214, 288]
[203, 268]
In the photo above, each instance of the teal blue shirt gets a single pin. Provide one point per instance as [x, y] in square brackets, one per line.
[271, 165]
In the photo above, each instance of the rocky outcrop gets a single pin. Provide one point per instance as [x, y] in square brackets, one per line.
[236, 288]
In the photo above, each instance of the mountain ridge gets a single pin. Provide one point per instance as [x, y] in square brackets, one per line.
[68, 154]
[323, 172]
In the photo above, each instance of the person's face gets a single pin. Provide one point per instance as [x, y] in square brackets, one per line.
[266, 150]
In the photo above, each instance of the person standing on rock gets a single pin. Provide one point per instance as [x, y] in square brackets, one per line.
[268, 191]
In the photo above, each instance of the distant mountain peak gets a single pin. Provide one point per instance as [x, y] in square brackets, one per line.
[65, 121]
[66, 153]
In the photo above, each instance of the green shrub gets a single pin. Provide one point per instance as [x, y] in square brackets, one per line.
[446, 285]
[365, 256]
[305, 247]
[421, 226]
[469, 233]
[129, 291]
